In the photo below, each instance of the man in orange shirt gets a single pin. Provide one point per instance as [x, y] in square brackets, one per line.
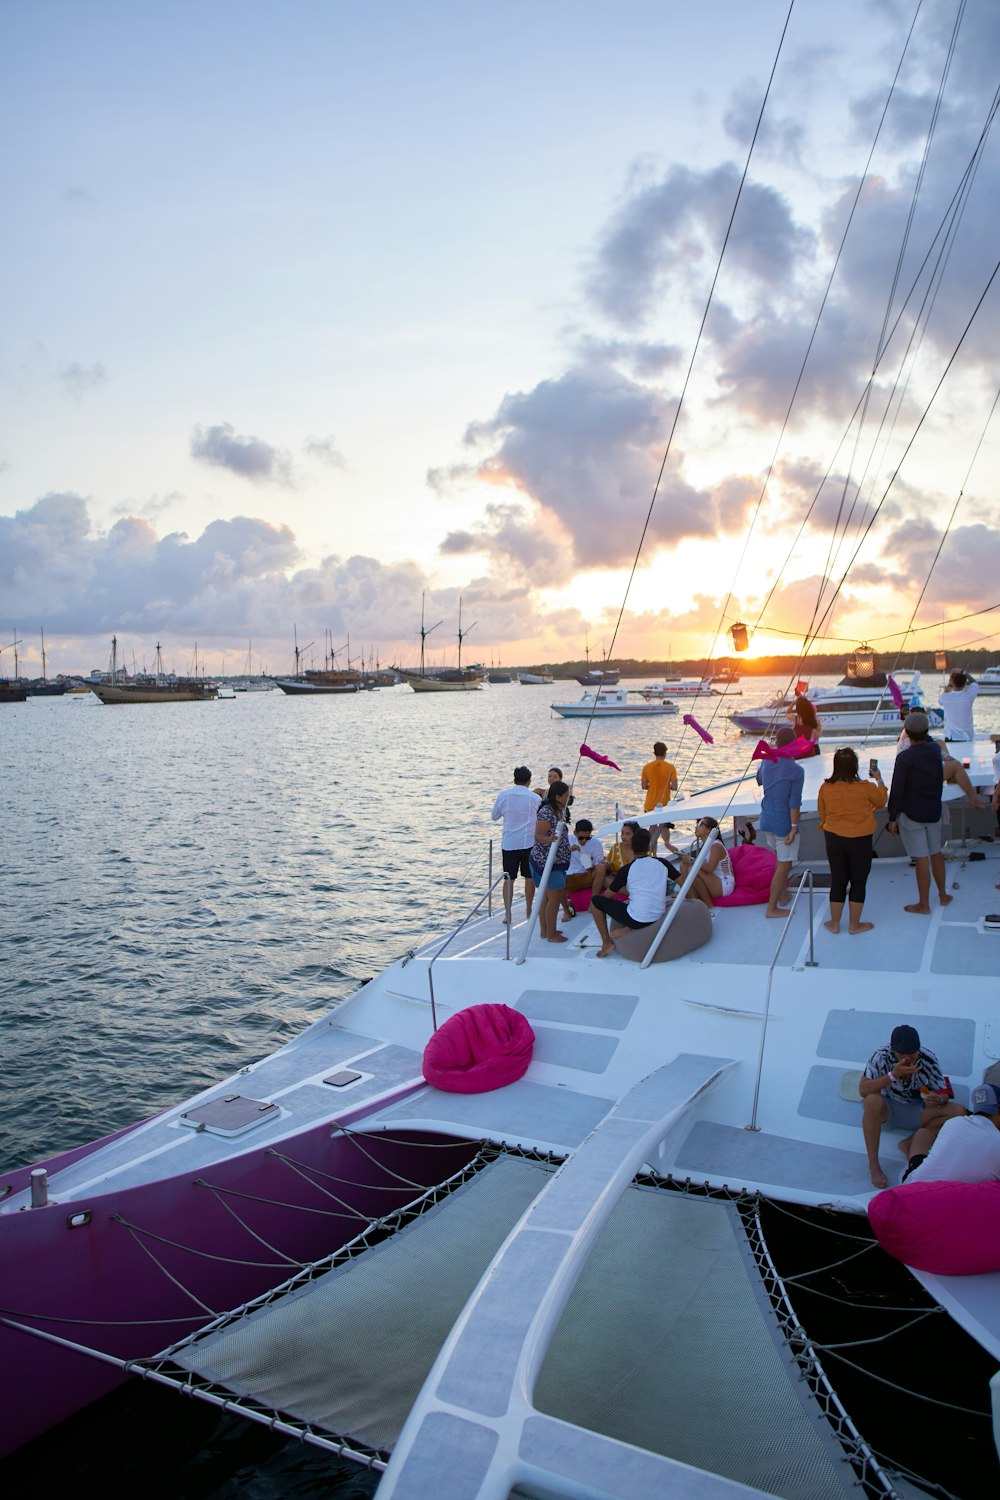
[659, 779]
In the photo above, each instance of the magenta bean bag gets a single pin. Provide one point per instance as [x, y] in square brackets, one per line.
[948, 1228]
[483, 1047]
[754, 868]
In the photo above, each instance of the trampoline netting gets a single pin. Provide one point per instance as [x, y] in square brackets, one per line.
[668, 1340]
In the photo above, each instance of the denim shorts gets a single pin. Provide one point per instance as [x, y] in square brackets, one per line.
[557, 878]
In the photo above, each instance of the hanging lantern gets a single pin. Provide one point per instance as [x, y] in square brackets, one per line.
[740, 636]
[941, 662]
[863, 662]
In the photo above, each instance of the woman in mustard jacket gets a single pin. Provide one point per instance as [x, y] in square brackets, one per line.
[847, 807]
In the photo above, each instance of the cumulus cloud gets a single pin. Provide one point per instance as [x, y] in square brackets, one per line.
[587, 448]
[249, 457]
[79, 380]
[674, 226]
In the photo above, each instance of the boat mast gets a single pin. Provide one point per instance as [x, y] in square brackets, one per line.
[462, 633]
[424, 633]
[44, 676]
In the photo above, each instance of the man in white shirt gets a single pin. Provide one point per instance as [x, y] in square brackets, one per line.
[957, 697]
[965, 1149]
[646, 891]
[518, 806]
[585, 852]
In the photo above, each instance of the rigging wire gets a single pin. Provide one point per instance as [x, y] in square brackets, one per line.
[694, 355]
[802, 367]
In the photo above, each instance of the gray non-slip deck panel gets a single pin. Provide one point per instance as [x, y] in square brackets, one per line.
[579, 1008]
[573, 1049]
[520, 1113]
[738, 1156]
[854, 1035]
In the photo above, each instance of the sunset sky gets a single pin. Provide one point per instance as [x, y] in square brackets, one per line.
[313, 308]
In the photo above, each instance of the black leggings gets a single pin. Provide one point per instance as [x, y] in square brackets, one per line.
[849, 861]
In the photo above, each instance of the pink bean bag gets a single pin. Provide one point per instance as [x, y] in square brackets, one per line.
[580, 900]
[949, 1228]
[754, 868]
[483, 1047]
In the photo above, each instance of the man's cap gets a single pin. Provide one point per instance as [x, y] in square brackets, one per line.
[785, 735]
[916, 722]
[983, 1100]
[904, 1039]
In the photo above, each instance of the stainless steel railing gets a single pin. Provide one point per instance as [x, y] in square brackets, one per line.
[806, 883]
[486, 896]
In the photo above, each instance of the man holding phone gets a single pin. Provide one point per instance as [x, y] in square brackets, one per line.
[915, 810]
[903, 1087]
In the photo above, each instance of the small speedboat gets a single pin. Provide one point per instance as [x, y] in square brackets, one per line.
[614, 703]
[989, 681]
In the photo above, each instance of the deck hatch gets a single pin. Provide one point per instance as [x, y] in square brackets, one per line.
[231, 1115]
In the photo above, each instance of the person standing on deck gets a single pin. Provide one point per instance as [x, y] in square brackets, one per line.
[781, 805]
[956, 701]
[902, 1087]
[517, 805]
[659, 779]
[915, 810]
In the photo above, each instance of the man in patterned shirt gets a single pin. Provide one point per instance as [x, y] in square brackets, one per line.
[902, 1087]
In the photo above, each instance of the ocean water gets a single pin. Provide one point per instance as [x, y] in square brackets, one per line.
[185, 886]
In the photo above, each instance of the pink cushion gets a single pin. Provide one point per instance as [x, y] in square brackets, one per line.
[580, 900]
[483, 1047]
[949, 1228]
[754, 868]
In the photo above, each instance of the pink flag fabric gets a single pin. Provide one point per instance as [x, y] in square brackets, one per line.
[692, 723]
[795, 751]
[894, 692]
[602, 760]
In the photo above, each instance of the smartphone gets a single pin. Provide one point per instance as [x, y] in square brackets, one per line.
[872, 767]
[345, 1076]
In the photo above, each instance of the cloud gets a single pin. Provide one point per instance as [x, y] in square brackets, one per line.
[587, 448]
[966, 572]
[79, 380]
[669, 228]
[326, 450]
[249, 457]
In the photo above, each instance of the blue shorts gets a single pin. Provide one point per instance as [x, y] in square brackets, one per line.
[903, 1116]
[557, 878]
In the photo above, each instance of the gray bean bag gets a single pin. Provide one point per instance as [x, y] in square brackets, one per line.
[691, 928]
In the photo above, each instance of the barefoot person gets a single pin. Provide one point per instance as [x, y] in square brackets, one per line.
[646, 891]
[915, 811]
[847, 807]
[551, 828]
[902, 1087]
[517, 805]
[780, 807]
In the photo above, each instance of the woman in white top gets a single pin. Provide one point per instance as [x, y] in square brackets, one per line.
[716, 877]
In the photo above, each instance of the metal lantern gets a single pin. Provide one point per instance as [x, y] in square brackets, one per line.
[863, 662]
[740, 636]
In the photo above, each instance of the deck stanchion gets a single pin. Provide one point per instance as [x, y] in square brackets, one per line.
[489, 881]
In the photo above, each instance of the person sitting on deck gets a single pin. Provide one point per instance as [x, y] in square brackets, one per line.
[805, 722]
[585, 853]
[716, 877]
[647, 895]
[903, 1087]
[606, 878]
[966, 1148]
